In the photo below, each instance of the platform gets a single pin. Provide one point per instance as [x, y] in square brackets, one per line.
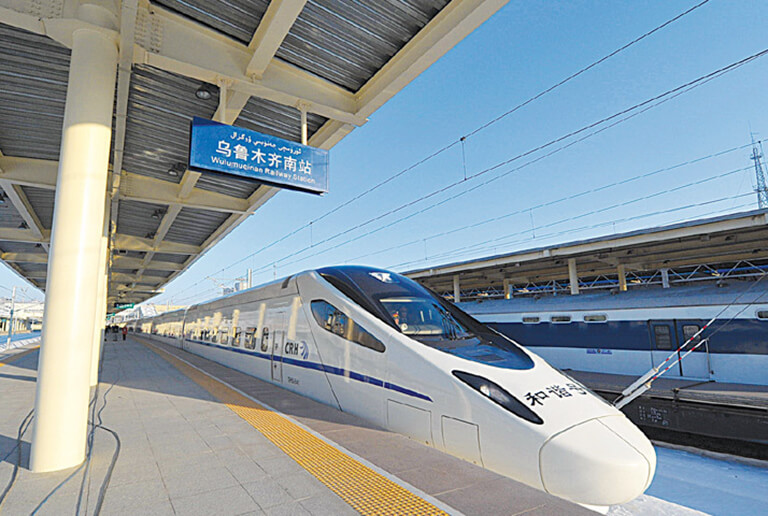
[726, 417]
[170, 439]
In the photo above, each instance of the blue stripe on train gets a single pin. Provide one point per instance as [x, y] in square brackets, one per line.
[306, 364]
[736, 337]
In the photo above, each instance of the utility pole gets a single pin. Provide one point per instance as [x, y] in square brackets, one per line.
[10, 320]
[761, 189]
[250, 278]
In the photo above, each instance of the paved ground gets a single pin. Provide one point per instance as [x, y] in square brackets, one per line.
[163, 445]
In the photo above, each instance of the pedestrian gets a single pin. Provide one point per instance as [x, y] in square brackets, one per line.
[125, 331]
[115, 329]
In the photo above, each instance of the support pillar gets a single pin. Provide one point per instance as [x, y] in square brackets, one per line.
[507, 289]
[61, 403]
[456, 289]
[101, 298]
[665, 278]
[622, 273]
[573, 276]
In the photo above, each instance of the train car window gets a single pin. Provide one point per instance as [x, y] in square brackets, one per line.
[663, 337]
[531, 320]
[335, 321]
[560, 319]
[689, 330]
[249, 342]
[265, 339]
[224, 337]
[762, 314]
[236, 337]
[593, 318]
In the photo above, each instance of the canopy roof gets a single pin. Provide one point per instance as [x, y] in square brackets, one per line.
[263, 63]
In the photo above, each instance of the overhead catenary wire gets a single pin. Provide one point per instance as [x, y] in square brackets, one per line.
[498, 241]
[646, 105]
[472, 226]
[540, 205]
[472, 133]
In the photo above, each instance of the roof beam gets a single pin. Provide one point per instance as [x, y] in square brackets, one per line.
[28, 236]
[274, 26]
[134, 243]
[24, 257]
[19, 200]
[179, 45]
[148, 189]
[126, 262]
[122, 242]
[42, 174]
[452, 24]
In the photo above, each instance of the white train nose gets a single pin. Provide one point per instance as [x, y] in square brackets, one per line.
[603, 461]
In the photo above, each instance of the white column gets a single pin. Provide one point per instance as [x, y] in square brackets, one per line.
[61, 404]
[573, 276]
[101, 299]
[507, 289]
[622, 273]
[456, 289]
[665, 278]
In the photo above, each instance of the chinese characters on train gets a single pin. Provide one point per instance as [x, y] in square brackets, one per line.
[264, 157]
[554, 391]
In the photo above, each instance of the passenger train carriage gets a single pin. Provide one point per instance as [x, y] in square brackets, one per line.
[631, 332]
[382, 347]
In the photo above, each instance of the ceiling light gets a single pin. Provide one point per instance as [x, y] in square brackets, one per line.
[204, 92]
[177, 169]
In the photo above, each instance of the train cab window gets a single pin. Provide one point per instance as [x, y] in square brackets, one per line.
[762, 314]
[236, 337]
[595, 318]
[663, 337]
[249, 342]
[560, 319]
[531, 320]
[335, 321]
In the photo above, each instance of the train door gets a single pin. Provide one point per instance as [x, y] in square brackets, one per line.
[275, 331]
[696, 364]
[664, 343]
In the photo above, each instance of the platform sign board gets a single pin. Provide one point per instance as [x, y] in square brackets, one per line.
[124, 306]
[227, 149]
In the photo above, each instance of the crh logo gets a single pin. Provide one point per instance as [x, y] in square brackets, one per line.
[297, 349]
[384, 277]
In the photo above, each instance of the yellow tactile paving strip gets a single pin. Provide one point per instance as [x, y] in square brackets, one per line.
[364, 489]
[13, 358]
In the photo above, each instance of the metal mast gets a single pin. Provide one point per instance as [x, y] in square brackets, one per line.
[761, 189]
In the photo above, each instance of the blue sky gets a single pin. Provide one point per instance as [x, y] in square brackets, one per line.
[525, 48]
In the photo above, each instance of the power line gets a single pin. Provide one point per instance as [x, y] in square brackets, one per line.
[594, 212]
[475, 247]
[648, 104]
[562, 199]
[616, 119]
[470, 134]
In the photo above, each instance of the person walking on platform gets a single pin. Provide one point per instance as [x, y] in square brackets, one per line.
[125, 331]
[115, 329]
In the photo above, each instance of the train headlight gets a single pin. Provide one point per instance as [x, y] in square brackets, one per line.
[499, 396]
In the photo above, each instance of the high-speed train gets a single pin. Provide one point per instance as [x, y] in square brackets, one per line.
[380, 346]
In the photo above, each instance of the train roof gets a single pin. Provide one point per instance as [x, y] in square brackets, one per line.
[742, 292]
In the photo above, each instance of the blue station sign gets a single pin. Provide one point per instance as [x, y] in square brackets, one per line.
[216, 147]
